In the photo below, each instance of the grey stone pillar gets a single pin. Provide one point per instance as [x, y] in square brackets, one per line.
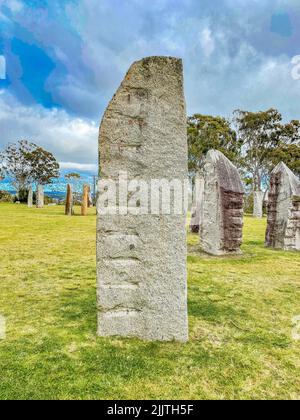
[222, 227]
[85, 200]
[40, 197]
[283, 231]
[30, 197]
[142, 279]
[258, 197]
[69, 201]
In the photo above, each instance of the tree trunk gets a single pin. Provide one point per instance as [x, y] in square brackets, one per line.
[40, 197]
[69, 201]
[30, 198]
[85, 201]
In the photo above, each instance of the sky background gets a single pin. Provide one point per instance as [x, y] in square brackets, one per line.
[65, 59]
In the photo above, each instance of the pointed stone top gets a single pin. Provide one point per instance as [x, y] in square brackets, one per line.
[229, 177]
[158, 58]
[155, 62]
[293, 179]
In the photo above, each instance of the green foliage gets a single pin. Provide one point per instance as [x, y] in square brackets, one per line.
[289, 154]
[73, 176]
[25, 163]
[22, 196]
[205, 133]
[16, 165]
[44, 167]
[5, 197]
[265, 139]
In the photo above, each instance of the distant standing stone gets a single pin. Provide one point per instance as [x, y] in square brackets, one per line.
[85, 200]
[222, 227]
[283, 231]
[30, 197]
[90, 199]
[69, 201]
[40, 197]
[258, 198]
[142, 277]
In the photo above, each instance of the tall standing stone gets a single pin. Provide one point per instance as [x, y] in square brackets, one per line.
[40, 197]
[142, 276]
[85, 201]
[258, 197]
[222, 227]
[69, 201]
[198, 202]
[283, 231]
[90, 199]
[30, 197]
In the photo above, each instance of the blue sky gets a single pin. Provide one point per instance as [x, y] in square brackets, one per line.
[66, 58]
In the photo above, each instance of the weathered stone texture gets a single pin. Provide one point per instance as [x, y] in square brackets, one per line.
[30, 197]
[85, 201]
[142, 259]
[222, 227]
[197, 209]
[40, 197]
[69, 201]
[283, 231]
[258, 197]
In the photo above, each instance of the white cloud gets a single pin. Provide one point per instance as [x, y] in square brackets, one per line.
[70, 139]
[207, 42]
[79, 167]
[14, 5]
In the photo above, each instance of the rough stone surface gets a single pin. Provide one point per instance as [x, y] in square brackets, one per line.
[142, 275]
[222, 227]
[198, 201]
[40, 197]
[30, 197]
[90, 198]
[283, 231]
[85, 201]
[69, 201]
[258, 197]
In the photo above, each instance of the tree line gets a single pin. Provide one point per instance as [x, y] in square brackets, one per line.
[254, 141]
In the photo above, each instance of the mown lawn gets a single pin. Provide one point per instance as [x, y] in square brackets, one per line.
[240, 312]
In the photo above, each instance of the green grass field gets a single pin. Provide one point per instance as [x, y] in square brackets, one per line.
[240, 313]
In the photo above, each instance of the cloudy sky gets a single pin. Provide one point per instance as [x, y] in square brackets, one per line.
[65, 59]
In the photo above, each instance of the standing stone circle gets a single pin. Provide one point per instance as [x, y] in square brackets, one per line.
[69, 201]
[222, 227]
[283, 231]
[142, 274]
